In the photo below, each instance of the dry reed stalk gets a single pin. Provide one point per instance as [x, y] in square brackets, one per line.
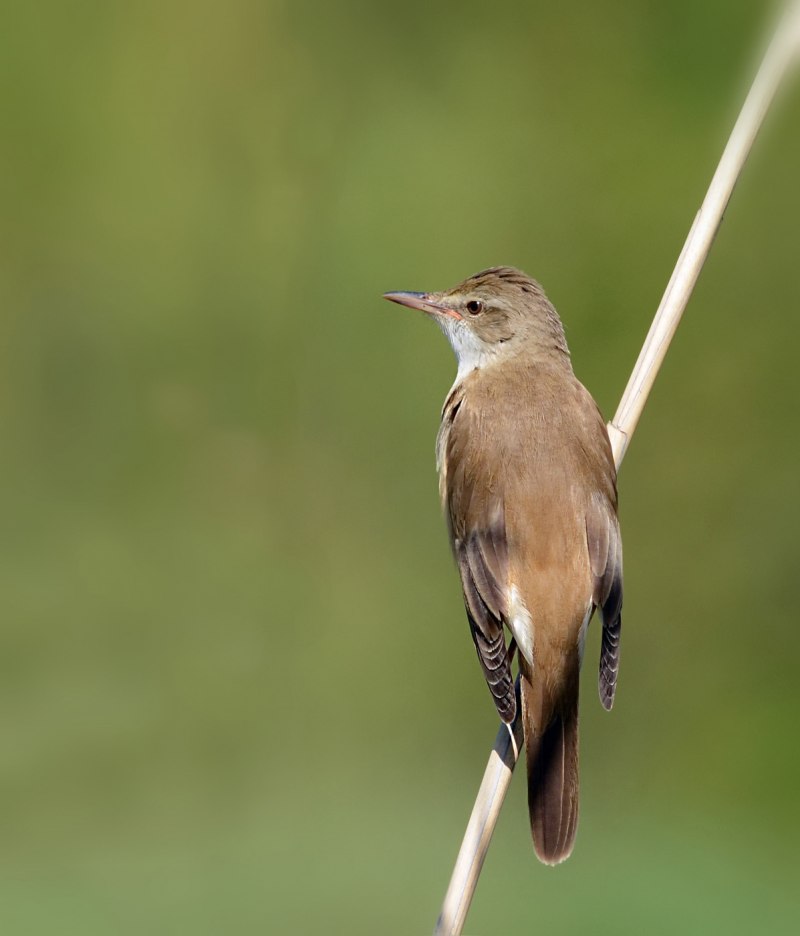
[781, 51]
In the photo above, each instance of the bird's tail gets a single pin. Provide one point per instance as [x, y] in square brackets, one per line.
[551, 742]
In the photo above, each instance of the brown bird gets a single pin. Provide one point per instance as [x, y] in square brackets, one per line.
[528, 486]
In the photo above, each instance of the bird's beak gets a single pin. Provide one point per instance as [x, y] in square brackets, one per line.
[422, 301]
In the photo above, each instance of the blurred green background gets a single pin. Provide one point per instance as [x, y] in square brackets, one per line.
[238, 693]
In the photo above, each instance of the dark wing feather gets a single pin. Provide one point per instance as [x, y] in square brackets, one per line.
[476, 521]
[485, 604]
[488, 569]
[605, 555]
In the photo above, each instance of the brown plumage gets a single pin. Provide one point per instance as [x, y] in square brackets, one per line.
[528, 486]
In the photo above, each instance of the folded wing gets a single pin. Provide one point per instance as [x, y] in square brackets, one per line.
[605, 555]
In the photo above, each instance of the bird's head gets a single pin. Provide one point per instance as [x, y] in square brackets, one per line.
[492, 316]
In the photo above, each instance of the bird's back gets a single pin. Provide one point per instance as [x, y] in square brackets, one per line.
[529, 440]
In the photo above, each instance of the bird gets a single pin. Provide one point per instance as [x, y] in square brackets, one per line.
[528, 486]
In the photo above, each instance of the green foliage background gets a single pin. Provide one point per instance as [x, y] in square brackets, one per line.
[238, 693]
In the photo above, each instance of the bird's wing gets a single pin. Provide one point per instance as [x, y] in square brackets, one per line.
[482, 561]
[478, 534]
[605, 555]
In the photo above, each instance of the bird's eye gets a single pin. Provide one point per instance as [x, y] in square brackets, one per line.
[474, 307]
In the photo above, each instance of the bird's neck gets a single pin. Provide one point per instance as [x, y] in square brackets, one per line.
[490, 361]
[474, 354]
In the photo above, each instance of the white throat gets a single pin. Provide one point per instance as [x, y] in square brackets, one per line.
[471, 353]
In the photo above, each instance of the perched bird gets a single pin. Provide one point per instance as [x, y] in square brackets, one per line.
[528, 486]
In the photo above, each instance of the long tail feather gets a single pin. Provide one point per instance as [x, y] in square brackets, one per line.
[552, 756]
